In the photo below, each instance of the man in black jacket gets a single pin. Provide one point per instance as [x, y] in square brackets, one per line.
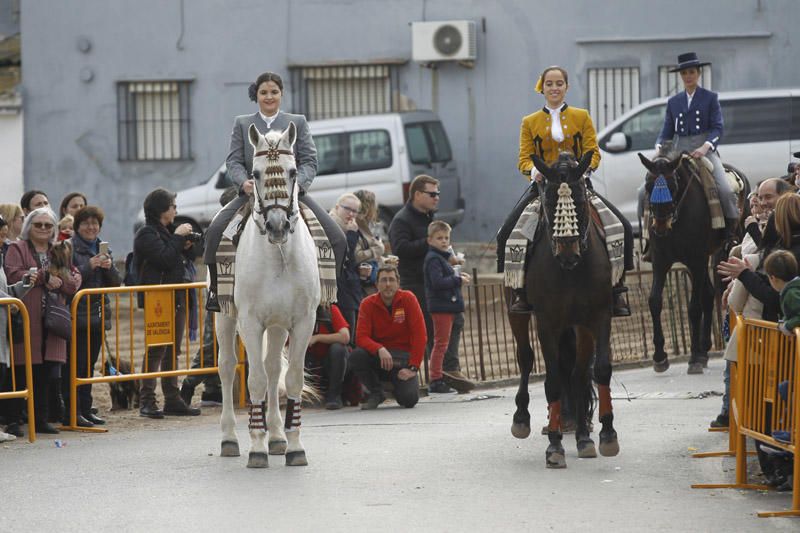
[408, 235]
[160, 250]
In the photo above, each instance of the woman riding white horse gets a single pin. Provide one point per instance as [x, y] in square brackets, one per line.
[267, 91]
[277, 291]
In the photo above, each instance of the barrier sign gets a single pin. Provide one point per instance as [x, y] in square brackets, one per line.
[159, 317]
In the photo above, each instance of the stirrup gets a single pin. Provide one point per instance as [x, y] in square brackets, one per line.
[212, 304]
[621, 307]
[520, 304]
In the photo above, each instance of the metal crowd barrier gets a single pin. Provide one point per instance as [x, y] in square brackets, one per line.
[155, 328]
[27, 392]
[768, 362]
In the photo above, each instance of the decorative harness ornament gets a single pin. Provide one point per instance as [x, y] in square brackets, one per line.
[565, 220]
[274, 188]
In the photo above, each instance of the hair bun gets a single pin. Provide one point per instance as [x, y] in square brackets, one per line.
[252, 90]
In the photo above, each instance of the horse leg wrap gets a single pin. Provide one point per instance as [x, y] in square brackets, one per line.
[258, 417]
[292, 420]
[604, 395]
[554, 416]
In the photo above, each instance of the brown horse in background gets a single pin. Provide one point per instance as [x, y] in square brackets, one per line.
[568, 280]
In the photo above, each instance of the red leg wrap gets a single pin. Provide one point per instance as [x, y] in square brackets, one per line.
[555, 416]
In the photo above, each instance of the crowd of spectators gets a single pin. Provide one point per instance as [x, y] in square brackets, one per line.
[763, 284]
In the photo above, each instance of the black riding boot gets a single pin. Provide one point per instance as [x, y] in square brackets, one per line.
[621, 307]
[212, 304]
[731, 238]
[520, 304]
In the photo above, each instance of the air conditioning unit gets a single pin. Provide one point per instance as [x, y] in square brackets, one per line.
[444, 40]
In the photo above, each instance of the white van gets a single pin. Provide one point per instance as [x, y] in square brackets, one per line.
[762, 129]
[381, 153]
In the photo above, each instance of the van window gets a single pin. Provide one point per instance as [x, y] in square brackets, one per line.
[796, 118]
[330, 153]
[427, 143]
[370, 150]
[643, 128]
[756, 120]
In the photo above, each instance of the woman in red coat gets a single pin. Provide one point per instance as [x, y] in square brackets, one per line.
[48, 352]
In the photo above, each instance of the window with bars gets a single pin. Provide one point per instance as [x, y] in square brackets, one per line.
[670, 83]
[153, 120]
[612, 92]
[321, 92]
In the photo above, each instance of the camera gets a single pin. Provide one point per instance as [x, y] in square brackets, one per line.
[194, 237]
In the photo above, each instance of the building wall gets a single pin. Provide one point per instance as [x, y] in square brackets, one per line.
[222, 46]
[11, 125]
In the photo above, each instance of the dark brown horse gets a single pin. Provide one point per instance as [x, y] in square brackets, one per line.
[680, 232]
[567, 281]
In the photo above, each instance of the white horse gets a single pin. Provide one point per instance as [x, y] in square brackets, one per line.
[277, 291]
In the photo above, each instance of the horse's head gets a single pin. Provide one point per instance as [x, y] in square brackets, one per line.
[662, 186]
[565, 205]
[275, 208]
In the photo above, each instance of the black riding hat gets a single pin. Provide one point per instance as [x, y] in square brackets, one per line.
[688, 60]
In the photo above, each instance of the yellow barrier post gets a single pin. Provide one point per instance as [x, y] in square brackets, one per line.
[27, 393]
[75, 381]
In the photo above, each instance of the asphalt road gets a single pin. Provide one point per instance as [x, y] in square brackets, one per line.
[449, 464]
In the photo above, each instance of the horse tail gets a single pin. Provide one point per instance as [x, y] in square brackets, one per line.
[310, 393]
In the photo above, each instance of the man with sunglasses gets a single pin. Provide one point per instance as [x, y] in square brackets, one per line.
[408, 235]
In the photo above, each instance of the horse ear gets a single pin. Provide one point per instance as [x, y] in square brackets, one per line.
[585, 162]
[290, 133]
[254, 135]
[647, 163]
[540, 165]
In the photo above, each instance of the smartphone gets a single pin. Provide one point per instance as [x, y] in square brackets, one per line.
[103, 248]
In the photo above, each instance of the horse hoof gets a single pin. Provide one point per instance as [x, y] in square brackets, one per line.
[586, 449]
[695, 368]
[258, 460]
[521, 431]
[277, 447]
[230, 448]
[297, 458]
[556, 459]
[661, 366]
[609, 445]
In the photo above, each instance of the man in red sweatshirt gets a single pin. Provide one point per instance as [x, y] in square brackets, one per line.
[390, 341]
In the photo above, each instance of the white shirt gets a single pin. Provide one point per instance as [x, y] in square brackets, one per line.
[556, 130]
[689, 99]
[269, 120]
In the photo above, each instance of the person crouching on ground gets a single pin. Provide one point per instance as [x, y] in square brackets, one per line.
[781, 269]
[390, 340]
[328, 351]
[444, 298]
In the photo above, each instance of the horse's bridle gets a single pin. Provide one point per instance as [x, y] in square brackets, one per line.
[272, 154]
[583, 235]
[676, 206]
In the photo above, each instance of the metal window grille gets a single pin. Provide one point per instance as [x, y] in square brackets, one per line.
[321, 92]
[612, 92]
[670, 83]
[153, 120]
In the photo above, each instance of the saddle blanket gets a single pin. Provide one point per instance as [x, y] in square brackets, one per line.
[525, 230]
[226, 261]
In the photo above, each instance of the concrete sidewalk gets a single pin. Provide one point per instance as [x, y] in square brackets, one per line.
[449, 464]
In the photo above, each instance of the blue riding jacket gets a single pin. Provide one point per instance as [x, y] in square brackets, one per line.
[704, 116]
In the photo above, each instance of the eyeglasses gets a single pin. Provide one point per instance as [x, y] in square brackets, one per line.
[173, 206]
[432, 194]
[42, 225]
[349, 209]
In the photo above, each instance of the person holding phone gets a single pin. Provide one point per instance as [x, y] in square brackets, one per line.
[92, 257]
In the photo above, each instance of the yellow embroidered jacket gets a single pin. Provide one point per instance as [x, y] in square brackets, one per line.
[535, 137]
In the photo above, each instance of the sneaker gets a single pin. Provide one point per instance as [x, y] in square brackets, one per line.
[722, 421]
[15, 429]
[333, 405]
[6, 437]
[438, 386]
[210, 399]
[373, 401]
[458, 381]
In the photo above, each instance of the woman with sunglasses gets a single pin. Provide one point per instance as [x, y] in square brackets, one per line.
[267, 92]
[33, 253]
[553, 129]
